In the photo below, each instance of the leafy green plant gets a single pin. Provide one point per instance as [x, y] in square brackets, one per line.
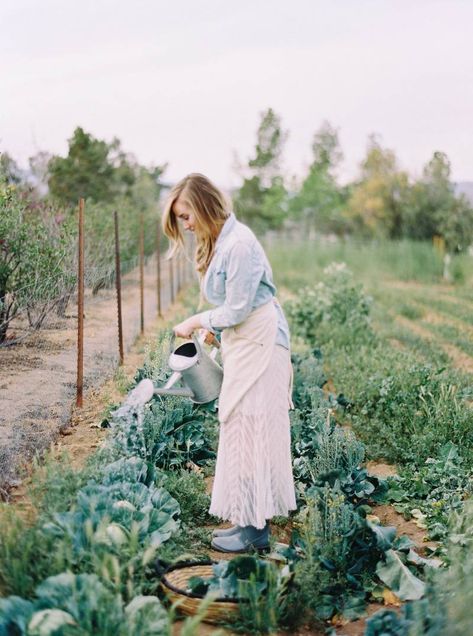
[258, 585]
[107, 514]
[386, 623]
[189, 489]
[335, 301]
[34, 270]
[437, 488]
[409, 416]
[228, 576]
[81, 604]
[168, 433]
[176, 436]
[27, 556]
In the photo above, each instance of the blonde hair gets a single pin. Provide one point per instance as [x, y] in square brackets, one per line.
[211, 210]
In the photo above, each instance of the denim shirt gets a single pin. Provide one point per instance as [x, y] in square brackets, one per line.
[239, 279]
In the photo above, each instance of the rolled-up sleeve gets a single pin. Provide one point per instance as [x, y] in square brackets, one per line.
[243, 275]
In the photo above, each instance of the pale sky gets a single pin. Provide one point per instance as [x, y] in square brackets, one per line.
[185, 81]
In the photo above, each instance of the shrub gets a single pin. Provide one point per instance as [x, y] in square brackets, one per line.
[335, 302]
[35, 274]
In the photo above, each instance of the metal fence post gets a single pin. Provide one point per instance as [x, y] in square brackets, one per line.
[118, 285]
[142, 275]
[80, 310]
[158, 270]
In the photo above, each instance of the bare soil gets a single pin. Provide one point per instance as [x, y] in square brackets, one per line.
[38, 376]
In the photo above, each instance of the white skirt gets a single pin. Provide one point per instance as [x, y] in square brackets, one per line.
[253, 477]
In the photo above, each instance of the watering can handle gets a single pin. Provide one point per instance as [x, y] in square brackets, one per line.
[197, 341]
[198, 344]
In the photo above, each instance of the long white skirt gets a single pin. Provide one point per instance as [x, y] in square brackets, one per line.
[253, 476]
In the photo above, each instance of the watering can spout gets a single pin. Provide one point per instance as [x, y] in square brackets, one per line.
[181, 392]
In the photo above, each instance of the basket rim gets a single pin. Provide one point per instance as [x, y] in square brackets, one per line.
[185, 564]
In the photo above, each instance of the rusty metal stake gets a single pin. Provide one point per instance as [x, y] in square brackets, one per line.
[142, 276]
[118, 284]
[80, 310]
[171, 279]
[158, 260]
[178, 267]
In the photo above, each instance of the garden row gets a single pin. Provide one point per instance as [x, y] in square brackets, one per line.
[416, 415]
[87, 564]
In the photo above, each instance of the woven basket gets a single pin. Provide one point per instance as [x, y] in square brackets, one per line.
[174, 583]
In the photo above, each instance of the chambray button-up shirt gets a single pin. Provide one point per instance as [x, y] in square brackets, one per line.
[239, 279]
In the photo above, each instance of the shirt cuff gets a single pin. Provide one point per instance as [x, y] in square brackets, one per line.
[205, 320]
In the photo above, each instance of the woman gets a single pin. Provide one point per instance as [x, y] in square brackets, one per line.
[253, 478]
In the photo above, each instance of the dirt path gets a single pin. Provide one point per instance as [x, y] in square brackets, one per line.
[38, 377]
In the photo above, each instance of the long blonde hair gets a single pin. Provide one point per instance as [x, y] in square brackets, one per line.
[211, 210]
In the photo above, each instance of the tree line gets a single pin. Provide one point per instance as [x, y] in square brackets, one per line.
[38, 208]
[38, 224]
[383, 202]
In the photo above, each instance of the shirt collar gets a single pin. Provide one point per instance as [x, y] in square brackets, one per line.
[226, 229]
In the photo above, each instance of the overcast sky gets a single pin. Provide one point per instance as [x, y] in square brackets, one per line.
[185, 81]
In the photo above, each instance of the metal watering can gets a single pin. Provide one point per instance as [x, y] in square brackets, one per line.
[201, 375]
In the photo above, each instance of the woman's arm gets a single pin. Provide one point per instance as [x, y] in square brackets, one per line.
[243, 275]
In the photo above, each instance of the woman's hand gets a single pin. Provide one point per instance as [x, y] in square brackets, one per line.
[186, 328]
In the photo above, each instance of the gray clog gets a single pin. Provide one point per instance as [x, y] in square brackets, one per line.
[226, 532]
[248, 539]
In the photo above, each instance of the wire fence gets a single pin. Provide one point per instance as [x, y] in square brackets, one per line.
[40, 374]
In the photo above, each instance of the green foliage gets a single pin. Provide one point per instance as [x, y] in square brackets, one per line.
[435, 210]
[101, 172]
[412, 312]
[377, 201]
[266, 601]
[336, 557]
[408, 416]
[69, 604]
[446, 608]
[87, 171]
[436, 489]
[56, 483]
[258, 585]
[269, 145]
[386, 623]
[33, 249]
[318, 202]
[384, 204]
[336, 301]
[10, 172]
[172, 433]
[228, 576]
[397, 576]
[262, 199]
[189, 489]
[26, 555]
[114, 515]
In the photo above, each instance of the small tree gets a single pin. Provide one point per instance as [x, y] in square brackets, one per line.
[318, 203]
[434, 210]
[262, 199]
[377, 203]
[93, 169]
[10, 172]
[34, 273]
